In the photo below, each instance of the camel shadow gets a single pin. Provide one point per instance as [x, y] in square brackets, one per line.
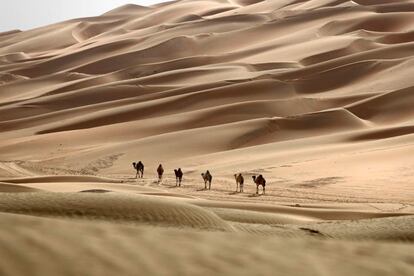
[173, 187]
[203, 189]
[255, 195]
[126, 179]
[234, 193]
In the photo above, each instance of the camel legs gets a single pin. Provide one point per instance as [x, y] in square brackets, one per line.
[140, 174]
[257, 189]
[264, 190]
[209, 185]
[178, 181]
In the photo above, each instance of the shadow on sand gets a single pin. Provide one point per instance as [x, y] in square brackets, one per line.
[255, 195]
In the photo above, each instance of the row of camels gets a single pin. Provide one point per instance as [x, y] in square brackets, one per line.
[207, 177]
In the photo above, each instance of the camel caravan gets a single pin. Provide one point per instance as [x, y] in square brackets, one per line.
[207, 178]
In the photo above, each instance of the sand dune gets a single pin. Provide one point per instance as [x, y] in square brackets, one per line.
[316, 95]
[109, 249]
[9, 188]
[92, 206]
[171, 210]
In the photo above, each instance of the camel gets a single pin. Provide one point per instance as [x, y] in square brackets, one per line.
[207, 178]
[260, 181]
[178, 177]
[160, 171]
[139, 167]
[239, 182]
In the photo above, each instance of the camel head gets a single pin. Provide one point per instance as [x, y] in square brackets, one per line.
[254, 178]
[134, 165]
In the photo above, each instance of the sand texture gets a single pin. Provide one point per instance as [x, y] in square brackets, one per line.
[317, 96]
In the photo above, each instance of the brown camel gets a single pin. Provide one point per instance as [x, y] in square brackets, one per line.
[260, 181]
[139, 167]
[239, 182]
[178, 176]
[160, 171]
[207, 178]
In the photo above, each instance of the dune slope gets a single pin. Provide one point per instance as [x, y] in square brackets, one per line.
[208, 77]
[316, 95]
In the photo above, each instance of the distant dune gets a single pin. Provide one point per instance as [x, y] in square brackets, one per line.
[315, 95]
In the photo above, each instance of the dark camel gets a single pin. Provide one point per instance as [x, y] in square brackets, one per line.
[139, 167]
[178, 177]
[207, 177]
[160, 171]
[239, 182]
[260, 181]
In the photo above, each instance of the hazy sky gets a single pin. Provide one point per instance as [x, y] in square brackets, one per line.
[27, 14]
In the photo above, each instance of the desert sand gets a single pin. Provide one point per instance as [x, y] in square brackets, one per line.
[317, 96]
